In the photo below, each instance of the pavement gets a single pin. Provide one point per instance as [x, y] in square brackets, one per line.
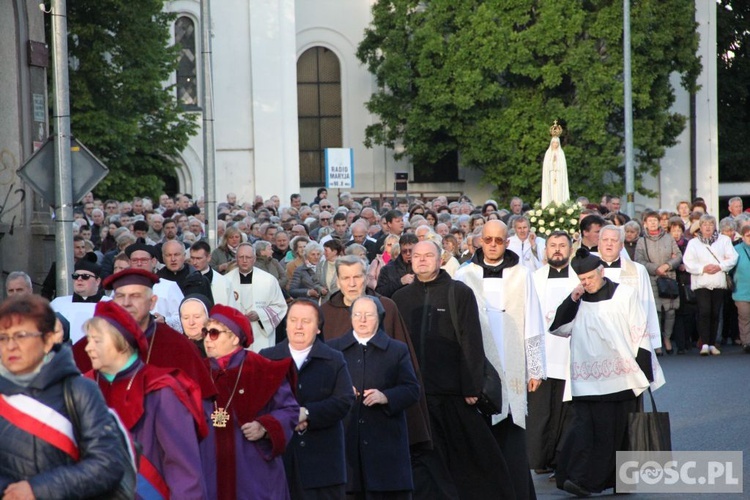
[708, 400]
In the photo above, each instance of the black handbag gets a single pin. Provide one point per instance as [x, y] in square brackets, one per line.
[667, 288]
[649, 431]
[126, 489]
[490, 400]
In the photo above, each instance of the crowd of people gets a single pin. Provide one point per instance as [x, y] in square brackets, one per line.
[341, 348]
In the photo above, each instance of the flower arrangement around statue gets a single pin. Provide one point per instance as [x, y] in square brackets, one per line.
[554, 217]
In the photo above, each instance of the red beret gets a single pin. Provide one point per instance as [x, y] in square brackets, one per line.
[235, 321]
[130, 276]
[124, 323]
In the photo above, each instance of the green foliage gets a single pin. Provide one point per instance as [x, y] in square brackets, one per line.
[733, 75]
[488, 77]
[120, 57]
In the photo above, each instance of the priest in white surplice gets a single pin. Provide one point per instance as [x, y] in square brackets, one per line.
[527, 245]
[548, 414]
[610, 366]
[619, 268]
[79, 307]
[259, 297]
[513, 337]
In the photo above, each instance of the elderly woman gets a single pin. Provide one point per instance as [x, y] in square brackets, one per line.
[264, 260]
[193, 315]
[708, 258]
[226, 252]
[297, 245]
[160, 407]
[306, 281]
[315, 462]
[33, 463]
[730, 330]
[686, 316]
[659, 253]
[253, 416]
[377, 442]
[632, 234]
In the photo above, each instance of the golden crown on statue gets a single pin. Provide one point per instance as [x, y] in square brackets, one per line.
[555, 130]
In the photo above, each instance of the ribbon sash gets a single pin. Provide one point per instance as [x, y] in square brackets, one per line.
[40, 421]
[151, 485]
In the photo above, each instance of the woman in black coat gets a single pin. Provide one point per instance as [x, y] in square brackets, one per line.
[377, 441]
[40, 456]
[314, 460]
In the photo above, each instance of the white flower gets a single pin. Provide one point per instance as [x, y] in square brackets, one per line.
[552, 211]
[547, 232]
[572, 231]
[538, 213]
[573, 221]
[533, 220]
[569, 211]
[541, 222]
[552, 224]
[562, 219]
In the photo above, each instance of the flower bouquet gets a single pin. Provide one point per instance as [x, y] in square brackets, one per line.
[554, 217]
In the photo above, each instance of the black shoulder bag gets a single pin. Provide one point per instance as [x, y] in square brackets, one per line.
[667, 288]
[490, 400]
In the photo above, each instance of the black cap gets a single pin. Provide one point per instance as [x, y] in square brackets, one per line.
[139, 246]
[584, 262]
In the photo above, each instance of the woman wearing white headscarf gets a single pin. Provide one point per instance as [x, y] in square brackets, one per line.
[554, 175]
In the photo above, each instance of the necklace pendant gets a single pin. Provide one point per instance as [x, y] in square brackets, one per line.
[220, 417]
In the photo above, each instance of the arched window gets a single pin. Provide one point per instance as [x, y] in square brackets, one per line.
[318, 111]
[187, 80]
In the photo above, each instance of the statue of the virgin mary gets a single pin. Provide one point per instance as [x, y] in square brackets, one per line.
[555, 171]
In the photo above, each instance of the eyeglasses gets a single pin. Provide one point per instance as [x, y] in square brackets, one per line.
[359, 315]
[18, 338]
[497, 239]
[213, 333]
[325, 219]
[84, 277]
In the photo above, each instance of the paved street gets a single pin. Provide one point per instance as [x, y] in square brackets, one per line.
[709, 406]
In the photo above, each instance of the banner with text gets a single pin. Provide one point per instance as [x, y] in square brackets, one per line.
[339, 168]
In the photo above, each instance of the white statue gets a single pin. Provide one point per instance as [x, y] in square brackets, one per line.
[555, 171]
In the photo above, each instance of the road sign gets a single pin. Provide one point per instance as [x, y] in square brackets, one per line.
[39, 170]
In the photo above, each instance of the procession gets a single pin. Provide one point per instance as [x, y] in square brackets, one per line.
[338, 349]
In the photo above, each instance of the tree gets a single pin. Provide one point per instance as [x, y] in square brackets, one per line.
[488, 77]
[733, 75]
[120, 59]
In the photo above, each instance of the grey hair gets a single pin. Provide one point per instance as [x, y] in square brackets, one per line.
[350, 260]
[733, 199]
[19, 275]
[261, 245]
[727, 223]
[632, 224]
[618, 229]
[707, 218]
[312, 246]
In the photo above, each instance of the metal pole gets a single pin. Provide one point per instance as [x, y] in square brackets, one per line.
[209, 154]
[63, 177]
[629, 162]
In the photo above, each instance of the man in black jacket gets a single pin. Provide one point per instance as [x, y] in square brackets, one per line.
[186, 276]
[398, 273]
[452, 366]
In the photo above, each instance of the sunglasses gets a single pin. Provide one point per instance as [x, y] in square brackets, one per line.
[498, 240]
[84, 277]
[213, 333]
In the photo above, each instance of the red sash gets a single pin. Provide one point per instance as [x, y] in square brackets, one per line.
[151, 486]
[40, 421]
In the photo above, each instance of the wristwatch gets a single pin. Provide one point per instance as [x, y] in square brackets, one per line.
[307, 414]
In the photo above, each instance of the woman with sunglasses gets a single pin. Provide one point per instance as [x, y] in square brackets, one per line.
[377, 441]
[160, 407]
[39, 455]
[253, 416]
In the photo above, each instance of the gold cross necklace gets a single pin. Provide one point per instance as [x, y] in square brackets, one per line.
[220, 416]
